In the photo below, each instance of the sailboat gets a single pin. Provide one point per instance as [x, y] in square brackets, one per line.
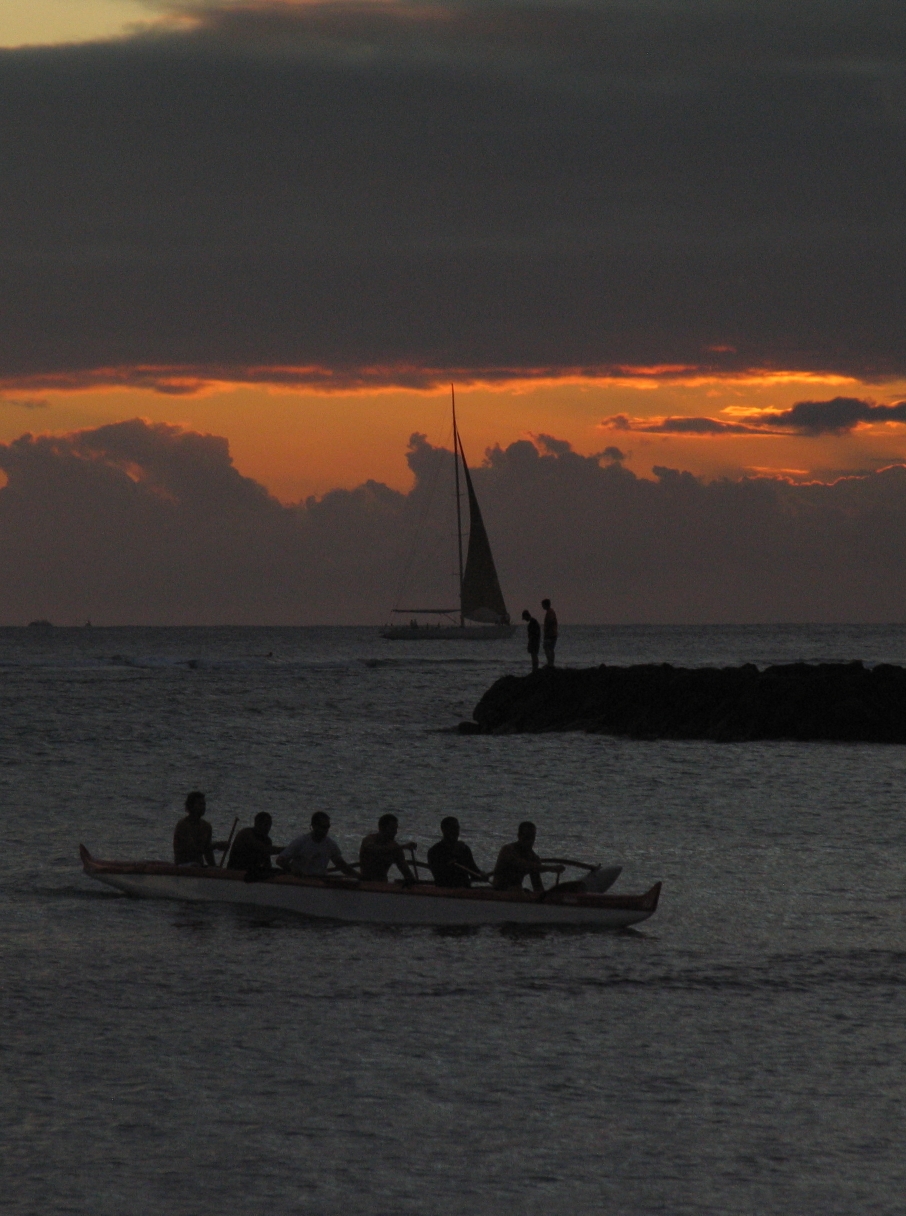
[481, 601]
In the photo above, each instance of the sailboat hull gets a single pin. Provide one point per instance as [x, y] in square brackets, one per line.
[447, 633]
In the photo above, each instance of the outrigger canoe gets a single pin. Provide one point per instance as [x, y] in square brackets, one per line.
[377, 903]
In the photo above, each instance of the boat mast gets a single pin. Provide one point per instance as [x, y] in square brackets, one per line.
[458, 511]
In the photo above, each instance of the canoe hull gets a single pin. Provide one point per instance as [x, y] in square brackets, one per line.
[371, 903]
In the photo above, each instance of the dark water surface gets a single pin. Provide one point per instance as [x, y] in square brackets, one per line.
[742, 1053]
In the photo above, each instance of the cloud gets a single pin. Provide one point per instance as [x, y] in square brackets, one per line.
[676, 426]
[148, 522]
[141, 523]
[836, 417]
[839, 416]
[343, 194]
[556, 447]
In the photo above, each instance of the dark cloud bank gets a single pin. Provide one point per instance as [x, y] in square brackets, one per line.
[372, 190]
[839, 416]
[140, 523]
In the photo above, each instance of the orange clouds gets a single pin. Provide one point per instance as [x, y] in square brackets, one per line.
[300, 441]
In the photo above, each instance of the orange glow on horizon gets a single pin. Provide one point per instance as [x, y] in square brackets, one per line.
[303, 440]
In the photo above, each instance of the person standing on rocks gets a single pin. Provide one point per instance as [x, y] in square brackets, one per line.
[550, 632]
[534, 637]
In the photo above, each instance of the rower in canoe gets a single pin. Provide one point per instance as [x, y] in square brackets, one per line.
[381, 850]
[192, 840]
[315, 851]
[519, 860]
[450, 860]
[252, 849]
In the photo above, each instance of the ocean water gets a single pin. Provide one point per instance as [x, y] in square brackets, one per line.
[741, 1052]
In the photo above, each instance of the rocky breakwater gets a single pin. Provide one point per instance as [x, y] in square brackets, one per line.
[843, 702]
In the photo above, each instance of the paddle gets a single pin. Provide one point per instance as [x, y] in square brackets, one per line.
[563, 861]
[416, 865]
[473, 873]
[229, 842]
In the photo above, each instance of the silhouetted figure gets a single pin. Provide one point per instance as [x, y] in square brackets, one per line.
[311, 854]
[533, 631]
[192, 843]
[550, 632]
[516, 860]
[450, 858]
[252, 849]
[381, 850]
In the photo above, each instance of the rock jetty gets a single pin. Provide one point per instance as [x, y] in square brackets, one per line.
[842, 702]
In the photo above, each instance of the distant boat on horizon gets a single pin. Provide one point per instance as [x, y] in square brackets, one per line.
[481, 600]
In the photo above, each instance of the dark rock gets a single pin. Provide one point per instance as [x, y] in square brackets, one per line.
[844, 702]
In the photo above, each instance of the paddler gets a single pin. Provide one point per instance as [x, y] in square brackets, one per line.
[519, 859]
[311, 854]
[252, 849]
[192, 843]
[451, 861]
[380, 851]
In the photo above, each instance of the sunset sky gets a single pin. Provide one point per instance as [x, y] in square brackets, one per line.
[299, 442]
[667, 230]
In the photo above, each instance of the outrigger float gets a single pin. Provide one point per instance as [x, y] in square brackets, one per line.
[377, 903]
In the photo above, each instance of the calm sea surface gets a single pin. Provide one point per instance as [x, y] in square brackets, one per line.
[742, 1053]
